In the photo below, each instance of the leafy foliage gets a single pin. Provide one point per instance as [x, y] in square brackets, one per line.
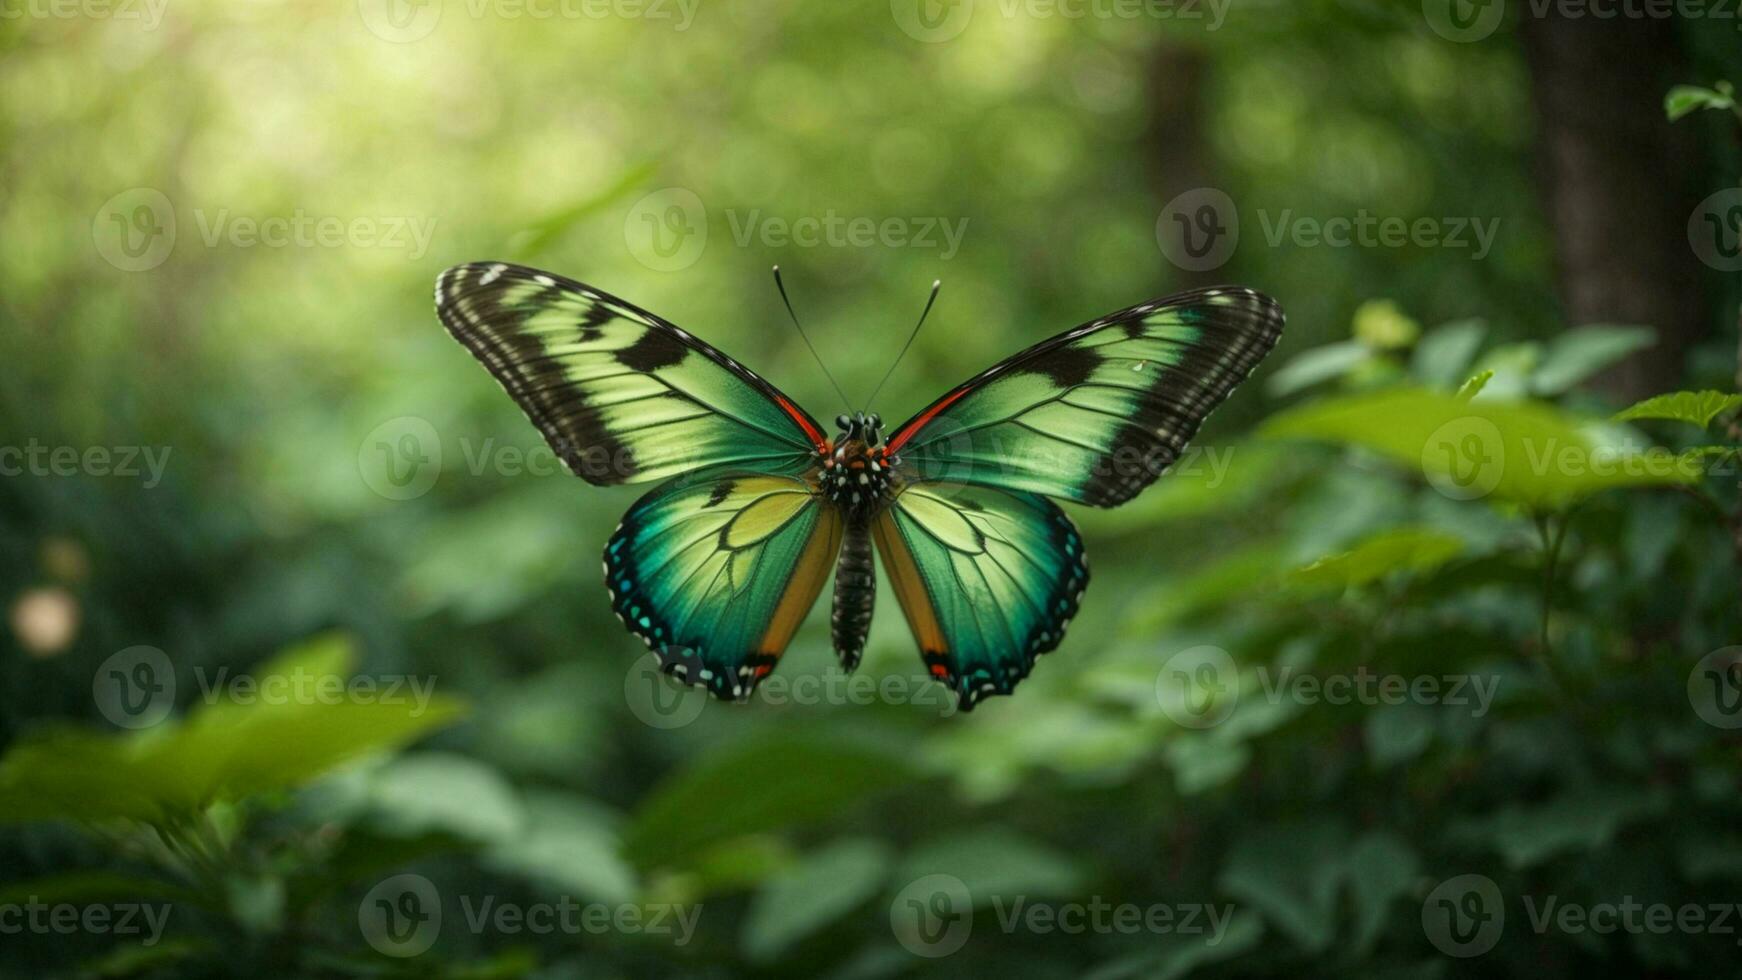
[1324, 668]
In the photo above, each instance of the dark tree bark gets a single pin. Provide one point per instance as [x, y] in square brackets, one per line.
[1619, 182]
[1179, 151]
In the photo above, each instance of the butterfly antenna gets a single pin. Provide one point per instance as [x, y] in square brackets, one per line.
[935, 286]
[807, 341]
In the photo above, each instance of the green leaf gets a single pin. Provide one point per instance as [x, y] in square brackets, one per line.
[1473, 387]
[1317, 365]
[1521, 452]
[1397, 733]
[798, 778]
[816, 891]
[1578, 354]
[1694, 407]
[1510, 367]
[1241, 574]
[429, 792]
[1444, 354]
[571, 842]
[1172, 955]
[1683, 99]
[291, 730]
[1294, 874]
[1290, 874]
[1380, 868]
[1582, 821]
[1382, 325]
[1415, 549]
[993, 862]
[1202, 762]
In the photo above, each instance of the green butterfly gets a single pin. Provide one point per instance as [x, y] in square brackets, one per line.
[716, 568]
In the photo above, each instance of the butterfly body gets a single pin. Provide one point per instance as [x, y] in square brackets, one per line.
[716, 567]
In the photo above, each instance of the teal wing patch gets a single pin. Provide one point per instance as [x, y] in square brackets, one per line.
[621, 395]
[988, 581]
[1097, 413]
[715, 573]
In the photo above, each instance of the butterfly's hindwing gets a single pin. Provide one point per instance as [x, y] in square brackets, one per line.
[621, 395]
[988, 581]
[716, 573]
[1097, 413]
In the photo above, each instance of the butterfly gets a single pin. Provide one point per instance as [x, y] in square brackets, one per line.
[717, 566]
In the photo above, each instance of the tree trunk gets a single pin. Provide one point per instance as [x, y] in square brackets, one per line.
[1619, 182]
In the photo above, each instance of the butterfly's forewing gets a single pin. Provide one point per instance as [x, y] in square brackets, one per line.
[1095, 414]
[621, 395]
[716, 572]
[988, 580]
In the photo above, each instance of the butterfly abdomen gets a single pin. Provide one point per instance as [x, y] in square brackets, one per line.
[855, 593]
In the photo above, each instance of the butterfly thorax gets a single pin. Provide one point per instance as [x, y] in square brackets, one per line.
[856, 474]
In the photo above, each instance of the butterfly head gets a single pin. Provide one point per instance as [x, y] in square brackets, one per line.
[855, 471]
[860, 427]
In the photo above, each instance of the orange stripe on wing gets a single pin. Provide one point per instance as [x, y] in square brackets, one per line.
[906, 432]
[808, 576]
[909, 588]
[810, 429]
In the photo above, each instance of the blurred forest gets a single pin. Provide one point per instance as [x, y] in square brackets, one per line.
[1420, 664]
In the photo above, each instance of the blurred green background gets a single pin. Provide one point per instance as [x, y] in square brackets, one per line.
[239, 443]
